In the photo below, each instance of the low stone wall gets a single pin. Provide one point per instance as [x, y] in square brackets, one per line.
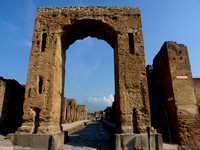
[11, 105]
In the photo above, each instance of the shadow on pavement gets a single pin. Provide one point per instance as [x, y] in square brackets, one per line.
[94, 135]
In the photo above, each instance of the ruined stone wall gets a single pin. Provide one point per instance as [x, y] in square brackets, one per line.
[172, 98]
[2, 94]
[64, 110]
[110, 113]
[11, 105]
[197, 91]
[69, 110]
[82, 112]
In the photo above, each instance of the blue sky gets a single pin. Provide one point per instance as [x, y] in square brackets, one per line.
[89, 64]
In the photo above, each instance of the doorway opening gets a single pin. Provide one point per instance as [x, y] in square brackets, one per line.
[37, 120]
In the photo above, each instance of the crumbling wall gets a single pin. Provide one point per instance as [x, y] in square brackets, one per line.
[2, 93]
[64, 110]
[173, 102]
[69, 110]
[11, 105]
[82, 112]
[197, 91]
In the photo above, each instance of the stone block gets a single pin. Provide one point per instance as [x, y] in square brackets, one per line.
[138, 142]
[39, 141]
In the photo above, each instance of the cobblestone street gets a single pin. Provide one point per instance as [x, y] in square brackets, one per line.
[94, 136]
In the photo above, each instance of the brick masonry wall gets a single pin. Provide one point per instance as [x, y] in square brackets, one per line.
[2, 94]
[197, 91]
[173, 102]
[82, 112]
[11, 100]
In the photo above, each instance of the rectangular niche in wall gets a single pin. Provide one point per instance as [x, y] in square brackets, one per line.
[131, 43]
[40, 84]
[44, 38]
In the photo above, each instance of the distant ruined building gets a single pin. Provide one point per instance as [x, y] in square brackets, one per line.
[72, 112]
[163, 98]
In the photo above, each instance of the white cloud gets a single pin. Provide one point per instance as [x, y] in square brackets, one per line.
[106, 100]
[100, 103]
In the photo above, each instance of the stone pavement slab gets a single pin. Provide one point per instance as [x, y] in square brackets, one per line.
[95, 136]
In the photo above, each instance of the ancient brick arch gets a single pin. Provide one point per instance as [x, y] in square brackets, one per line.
[79, 29]
[55, 29]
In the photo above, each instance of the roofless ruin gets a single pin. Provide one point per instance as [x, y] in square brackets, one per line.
[57, 28]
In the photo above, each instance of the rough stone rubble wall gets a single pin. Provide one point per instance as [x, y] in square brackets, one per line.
[197, 91]
[73, 112]
[11, 105]
[172, 98]
[82, 112]
[2, 94]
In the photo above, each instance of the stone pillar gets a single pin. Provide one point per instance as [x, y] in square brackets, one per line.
[173, 101]
[64, 108]
[44, 88]
[133, 91]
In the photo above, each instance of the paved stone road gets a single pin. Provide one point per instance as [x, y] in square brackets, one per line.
[93, 137]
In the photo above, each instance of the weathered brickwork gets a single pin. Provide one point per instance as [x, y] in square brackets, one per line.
[2, 94]
[82, 112]
[172, 98]
[54, 31]
[71, 110]
[11, 105]
[109, 114]
[197, 91]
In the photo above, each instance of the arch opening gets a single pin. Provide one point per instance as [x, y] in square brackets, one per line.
[81, 29]
[89, 72]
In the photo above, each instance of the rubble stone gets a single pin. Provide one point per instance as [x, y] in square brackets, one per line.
[172, 98]
[11, 105]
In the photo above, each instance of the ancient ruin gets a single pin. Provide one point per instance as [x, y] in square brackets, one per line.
[197, 91]
[82, 112]
[72, 112]
[171, 94]
[55, 30]
[11, 105]
[174, 110]
[69, 111]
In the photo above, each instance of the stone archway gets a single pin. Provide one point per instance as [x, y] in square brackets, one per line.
[55, 29]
